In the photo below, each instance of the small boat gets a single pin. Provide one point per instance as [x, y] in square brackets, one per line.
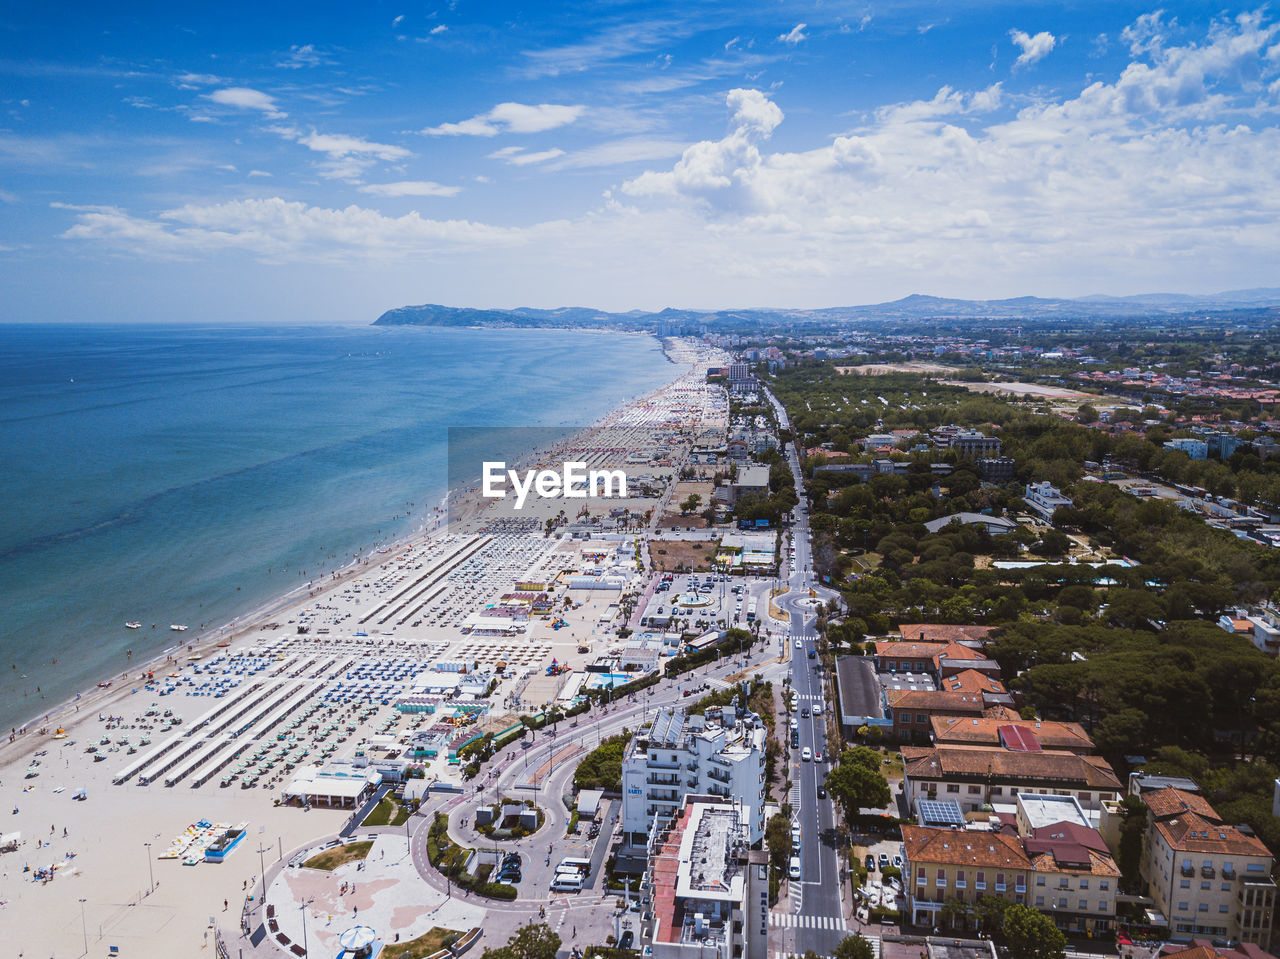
[133, 625]
[177, 628]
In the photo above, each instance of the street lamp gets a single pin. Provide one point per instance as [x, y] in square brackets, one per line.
[150, 875]
[84, 928]
[303, 909]
[262, 873]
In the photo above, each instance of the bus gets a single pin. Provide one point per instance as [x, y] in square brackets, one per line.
[751, 611]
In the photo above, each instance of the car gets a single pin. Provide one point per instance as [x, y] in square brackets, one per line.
[512, 857]
[897, 861]
[798, 644]
[795, 842]
[628, 937]
[806, 754]
[883, 861]
[794, 870]
[804, 711]
[510, 878]
[817, 709]
[817, 756]
[822, 792]
[871, 863]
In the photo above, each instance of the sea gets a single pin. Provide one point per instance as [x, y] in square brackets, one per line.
[191, 475]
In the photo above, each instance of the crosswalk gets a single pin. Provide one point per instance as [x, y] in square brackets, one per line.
[717, 684]
[787, 921]
[875, 951]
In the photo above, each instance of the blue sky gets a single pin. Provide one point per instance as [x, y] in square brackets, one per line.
[324, 162]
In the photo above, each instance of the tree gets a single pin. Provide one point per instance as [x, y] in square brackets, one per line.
[691, 504]
[857, 788]
[534, 941]
[853, 947]
[1032, 935]
[1087, 414]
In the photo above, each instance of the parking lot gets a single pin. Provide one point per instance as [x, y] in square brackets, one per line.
[698, 601]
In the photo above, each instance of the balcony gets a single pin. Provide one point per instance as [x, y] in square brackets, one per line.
[719, 775]
[655, 780]
[1208, 872]
[1188, 871]
[655, 763]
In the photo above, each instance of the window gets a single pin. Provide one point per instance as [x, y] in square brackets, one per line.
[1102, 905]
[1039, 900]
[953, 787]
[981, 881]
[1084, 884]
[1186, 884]
[1182, 907]
[1204, 884]
[1020, 883]
[975, 790]
[1222, 907]
[1062, 903]
[1104, 884]
[997, 790]
[921, 878]
[1084, 905]
[1083, 797]
[942, 878]
[999, 882]
[1204, 907]
[960, 883]
[1226, 887]
[1039, 880]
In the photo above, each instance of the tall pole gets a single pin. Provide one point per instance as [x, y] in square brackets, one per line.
[84, 928]
[263, 873]
[303, 907]
[151, 878]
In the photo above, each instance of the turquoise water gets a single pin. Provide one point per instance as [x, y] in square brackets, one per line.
[188, 475]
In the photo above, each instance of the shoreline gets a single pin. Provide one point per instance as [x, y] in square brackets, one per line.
[373, 555]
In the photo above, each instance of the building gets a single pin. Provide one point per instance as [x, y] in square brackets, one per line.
[995, 525]
[972, 444]
[978, 776]
[1062, 737]
[1204, 949]
[752, 480]
[1207, 877]
[1044, 499]
[719, 754]
[708, 891]
[996, 469]
[1195, 448]
[740, 373]
[1043, 855]
[912, 711]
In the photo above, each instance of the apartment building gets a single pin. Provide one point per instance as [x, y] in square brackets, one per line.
[1049, 735]
[1044, 499]
[1045, 856]
[720, 754]
[1208, 878]
[975, 776]
[707, 891]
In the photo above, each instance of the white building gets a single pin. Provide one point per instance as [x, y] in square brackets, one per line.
[707, 892]
[685, 755]
[1043, 498]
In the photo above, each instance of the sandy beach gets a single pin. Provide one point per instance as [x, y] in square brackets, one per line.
[112, 783]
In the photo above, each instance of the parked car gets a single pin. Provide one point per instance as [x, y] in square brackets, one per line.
[883, 860]
[871, 863]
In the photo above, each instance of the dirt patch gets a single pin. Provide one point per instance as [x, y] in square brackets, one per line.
[331, 859]
[671, 556]
[1024, 389]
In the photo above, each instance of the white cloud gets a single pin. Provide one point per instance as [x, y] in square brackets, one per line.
[619, 152]
[245, 98]
[257, 173]
[348, 157]
[1033, 47]
[410, 188]
[397, 21]
[200, 79]
[303, 56]
[511, 118]
[795, 36]
[732, 43]
[276, 230]
[517, 157]
[438, 29]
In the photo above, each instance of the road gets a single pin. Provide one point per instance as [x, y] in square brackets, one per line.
[818, 921]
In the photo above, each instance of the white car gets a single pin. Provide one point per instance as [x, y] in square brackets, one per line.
[798, 644]
[806, 754]
[817, 709]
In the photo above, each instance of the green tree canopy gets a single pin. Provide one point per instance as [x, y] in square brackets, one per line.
[534, 941]
[1032, 935]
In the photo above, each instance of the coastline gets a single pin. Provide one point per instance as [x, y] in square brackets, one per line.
[372, 556]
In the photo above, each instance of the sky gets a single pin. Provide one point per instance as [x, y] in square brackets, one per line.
[321, 162]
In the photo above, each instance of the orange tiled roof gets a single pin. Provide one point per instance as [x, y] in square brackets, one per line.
[1194, 833]
[1169, 801]
[925, 844]
[935, 699]
[942, 632]
[1014, 766]
[972, 681]
[986, 731]
[1100, 864]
